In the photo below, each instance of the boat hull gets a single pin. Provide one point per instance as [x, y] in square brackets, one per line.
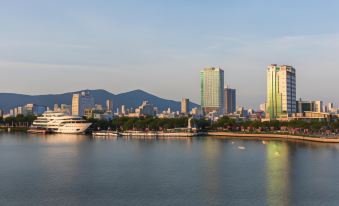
[73, 128]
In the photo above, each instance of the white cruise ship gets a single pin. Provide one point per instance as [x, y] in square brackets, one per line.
[57, 122]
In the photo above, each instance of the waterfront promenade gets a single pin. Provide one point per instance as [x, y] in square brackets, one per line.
[274, 136]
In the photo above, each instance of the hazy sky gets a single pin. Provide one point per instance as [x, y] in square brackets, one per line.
[160, 46]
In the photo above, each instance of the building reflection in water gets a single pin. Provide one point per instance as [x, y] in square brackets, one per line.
[59, 138]
[277, 173]
[59, 160]
[211, 170]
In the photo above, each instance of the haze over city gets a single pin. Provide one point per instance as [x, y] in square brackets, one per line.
[161, 46]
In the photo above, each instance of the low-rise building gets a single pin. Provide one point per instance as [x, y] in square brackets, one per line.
[311, 116]
[145, 109]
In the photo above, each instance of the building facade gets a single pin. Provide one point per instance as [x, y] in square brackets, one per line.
[309, 106]
[81, 102]
[33, 109]
[212, 90]
[109, 105]
[281, 91]
[230, 100]
[305, 106]
[145, 109]
[263, 107]
[185, 106]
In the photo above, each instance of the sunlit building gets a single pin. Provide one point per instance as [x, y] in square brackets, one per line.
[109, 105]
[263, 107]
[33, 109]
[145, 109]
[99, 107]
[195, 111]
[309, 106]
[184, 106]
[212, 90]
[81, 102]
[123, 110]
[281, 91]
[318, 106]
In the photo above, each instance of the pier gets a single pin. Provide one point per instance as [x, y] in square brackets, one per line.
[144, 134]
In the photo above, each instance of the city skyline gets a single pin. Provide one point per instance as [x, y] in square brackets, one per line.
[158, 102]
[101, 46]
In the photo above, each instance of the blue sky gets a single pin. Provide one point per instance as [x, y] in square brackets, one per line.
[160, 46]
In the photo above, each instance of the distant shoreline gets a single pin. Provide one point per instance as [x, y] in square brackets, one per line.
[234, 135]
[274, 136]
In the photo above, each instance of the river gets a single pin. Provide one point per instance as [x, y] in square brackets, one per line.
[79, 170]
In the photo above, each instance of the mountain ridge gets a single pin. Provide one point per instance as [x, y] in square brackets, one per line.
[130, 99]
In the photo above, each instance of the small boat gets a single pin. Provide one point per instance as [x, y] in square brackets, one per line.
[241, 147]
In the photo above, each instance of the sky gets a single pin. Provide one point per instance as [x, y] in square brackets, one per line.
[57, 46]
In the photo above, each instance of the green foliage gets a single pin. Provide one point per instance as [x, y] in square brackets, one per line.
[226, 122]
[19, 120]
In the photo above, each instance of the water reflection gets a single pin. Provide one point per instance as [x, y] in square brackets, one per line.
[211, 170]
[80, 170]
[59, 138]
[277, 173]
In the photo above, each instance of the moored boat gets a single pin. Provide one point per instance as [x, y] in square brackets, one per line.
[57, 122]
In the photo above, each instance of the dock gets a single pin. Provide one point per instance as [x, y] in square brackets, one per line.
[144, 134]
[38, 131]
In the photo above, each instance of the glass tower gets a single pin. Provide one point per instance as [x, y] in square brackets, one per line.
[230, 100]
[281, 91]
[212, 90]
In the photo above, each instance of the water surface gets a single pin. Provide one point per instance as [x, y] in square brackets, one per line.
[79, 170]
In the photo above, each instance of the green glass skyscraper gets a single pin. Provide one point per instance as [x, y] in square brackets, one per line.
[281, 91]
[212, 90]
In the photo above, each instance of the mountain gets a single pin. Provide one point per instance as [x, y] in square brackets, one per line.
[130, 99]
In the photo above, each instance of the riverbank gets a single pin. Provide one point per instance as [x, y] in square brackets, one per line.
[144, 134]
[14, 129]
[274, 136]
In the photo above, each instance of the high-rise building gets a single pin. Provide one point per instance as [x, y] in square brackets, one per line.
[263, 107]
[15, 112]
[281, 91]
[80, 102]
[145, 109]
[109, 105]
[123, 110]
[230, 100]
[33, 109]
[212, 90]
[330, 107]
[184, 106]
